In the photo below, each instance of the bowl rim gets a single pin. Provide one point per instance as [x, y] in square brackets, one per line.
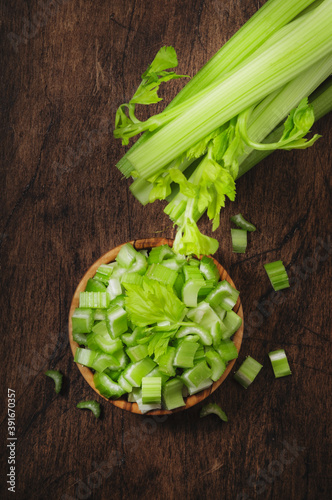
[190, 401]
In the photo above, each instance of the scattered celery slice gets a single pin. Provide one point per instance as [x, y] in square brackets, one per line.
[277, 274]
[242, 223]
[279, 363]
[247, 372]
[90, 405]
[239, 240]
[57, 377]
[215, 409]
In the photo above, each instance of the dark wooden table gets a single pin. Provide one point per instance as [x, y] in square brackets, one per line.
[67, 65]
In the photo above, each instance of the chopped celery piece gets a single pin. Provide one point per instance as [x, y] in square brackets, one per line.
[196, 375]
[209, 269]
[248, 371]
[114, 374]
[185, 353]
[144, 408]
[161, 273]
[105, 344]
[279, 363]
[140, 264]
[157, 373]
[166, 362]
[216, 332]
[134, 372]
[124, 384]
[126, 256]
[100, 329]
[137, 352]
[227, 350]
[178, 285]
[242, 223]
[94, 300]
[80, 338]
[223, 295]
[193, 262]
[151, 390]
[190, 292]
[192, 273]
[209, 285]
[85, 357]
[90, 405]
[213, 408]
[278, 275]
[94, 285]
[204, 315]
[158, 254]
[192, 389]
[122, 357]
[130, 277]
[100, 314]
[216, 363]
[102, 361]
[195, 329]
[173, 264]
[220, 312]
[119, 300]
[106, 386]
[104, 272]
[131, 339]
[172, 394]
[239, 240]
[200, 355]
[230, 324]
[116, 321]
[57, 377]
[82, 320]
[114, 288]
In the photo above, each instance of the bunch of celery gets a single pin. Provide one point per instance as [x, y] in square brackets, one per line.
[192, 153]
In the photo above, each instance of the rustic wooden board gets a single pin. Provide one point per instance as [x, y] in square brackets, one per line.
[65, 70]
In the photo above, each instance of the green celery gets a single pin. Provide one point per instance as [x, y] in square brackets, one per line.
[57, 378]
[185, 354]
[80, 338]
[166, 362]
[95, 285]
[90, 405]
[102, 361]
[215, 409]
[279, 363]
[137, 352]
[161, 273]
[114, 288]
[277, 274]
[172, 394]
[85, 357]
[151, 390]
[247, 372]
[239, 240]
[230, 324]
[116, 321]
[106, 386]
[216, 363]
[242, 223]
[82, 320]
[227, 350]
[223, 295]
[134, 372]
[197, 374]
[195, 329]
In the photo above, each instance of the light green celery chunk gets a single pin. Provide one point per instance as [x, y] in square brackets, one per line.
[209, 269]
[126, 256]
[85, 357]
[100, 328]
[215, 409]
[102, 361]
[104, 272]
[105, 344]
[230, 324]
[166, 362]
[197, 374]
[94, 300]
[200, 355]
[137, 352]
[227, 350]
[195, 329]
[178, 285]
[192, 389]
[119, 300]
[100, 314]
[124, 384]
[116, 321]
[216, 363]
[131, 339]
[145, 408]
[247, 372]
[80, 338]
[114, 374]
[173, 264]
[106, 386]
[82, 320]
[122, 358]
[190, 292]
[185, 353]
[158, 254]
[279, 363]
[134, 372]
[95, 285]
[172, 394]
[161, 273]
[130, 277]
[239, 240]
[151, 390]
[157, 373]
[223, 295]
[277, 274]
[114, 288]
[242, 223]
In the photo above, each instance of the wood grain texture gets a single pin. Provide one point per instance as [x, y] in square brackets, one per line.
[122, 402]
[64, 204]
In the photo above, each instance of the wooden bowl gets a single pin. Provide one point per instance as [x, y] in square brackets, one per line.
[88, 374]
